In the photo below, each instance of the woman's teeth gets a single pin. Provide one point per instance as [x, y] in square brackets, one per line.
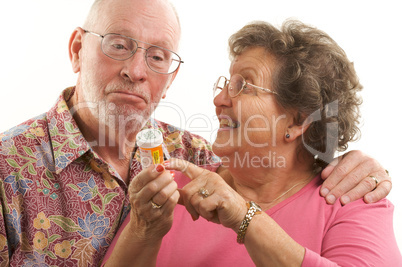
[228, 123]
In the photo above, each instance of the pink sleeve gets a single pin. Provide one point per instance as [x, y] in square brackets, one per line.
[314, 259]
[359, 235]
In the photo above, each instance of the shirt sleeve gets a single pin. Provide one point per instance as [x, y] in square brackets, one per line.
[4, 256]
[359, 235]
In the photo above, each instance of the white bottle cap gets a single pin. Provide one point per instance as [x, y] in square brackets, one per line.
[149, 138]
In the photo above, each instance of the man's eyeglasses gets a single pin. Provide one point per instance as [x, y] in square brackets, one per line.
[120, 47]
[236, 85]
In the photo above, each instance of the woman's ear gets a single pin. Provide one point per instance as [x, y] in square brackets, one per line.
[74, 48]
[295, 129]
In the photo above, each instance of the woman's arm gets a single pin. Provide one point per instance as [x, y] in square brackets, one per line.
[267, 243]
[358, 236]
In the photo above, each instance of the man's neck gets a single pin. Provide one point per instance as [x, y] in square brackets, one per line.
[113, 146]
[114, 149]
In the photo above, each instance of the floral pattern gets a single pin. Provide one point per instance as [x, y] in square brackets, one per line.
[87, 190]
[35, 259]
[173, 141]
[96, 228]
[40, 241]
[41, 222]
[63, 249]
[44, 157]
[60, 203]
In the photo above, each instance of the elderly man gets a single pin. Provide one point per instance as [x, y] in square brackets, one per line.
[64, 174]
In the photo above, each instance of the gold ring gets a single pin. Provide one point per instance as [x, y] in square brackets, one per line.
[203, 192]
[375, 180]
[155, 206]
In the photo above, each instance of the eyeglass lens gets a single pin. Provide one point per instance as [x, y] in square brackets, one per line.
[235, 85]
[158, 59]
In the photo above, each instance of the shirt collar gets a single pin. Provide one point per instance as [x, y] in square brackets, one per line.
[67, 141]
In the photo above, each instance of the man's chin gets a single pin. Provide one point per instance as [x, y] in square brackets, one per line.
[124, 117]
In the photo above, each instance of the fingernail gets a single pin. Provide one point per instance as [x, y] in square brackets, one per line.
[345, 200]
[331, 199]
[324, 192]
[166, 164]
[369, 199]
[159, 168]
[172, 173]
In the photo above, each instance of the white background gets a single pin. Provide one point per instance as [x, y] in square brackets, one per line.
[35, 67]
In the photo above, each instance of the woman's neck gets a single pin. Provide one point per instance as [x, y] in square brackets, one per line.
[269, 186]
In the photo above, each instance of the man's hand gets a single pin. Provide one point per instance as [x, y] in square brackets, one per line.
[153, 196]
[351, 177]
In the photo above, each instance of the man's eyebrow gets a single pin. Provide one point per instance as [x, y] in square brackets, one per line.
[161, 43]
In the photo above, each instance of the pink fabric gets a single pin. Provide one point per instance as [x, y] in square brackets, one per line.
[353, 235]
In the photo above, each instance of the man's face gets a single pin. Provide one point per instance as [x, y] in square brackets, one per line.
[126, 91]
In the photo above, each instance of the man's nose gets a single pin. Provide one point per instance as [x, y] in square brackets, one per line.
[136, 68]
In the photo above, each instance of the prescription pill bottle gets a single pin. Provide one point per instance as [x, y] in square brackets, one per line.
[149, 143]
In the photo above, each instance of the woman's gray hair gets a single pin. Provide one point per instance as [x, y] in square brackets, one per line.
[312, 75]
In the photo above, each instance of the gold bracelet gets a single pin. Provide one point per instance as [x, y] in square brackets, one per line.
[252, 209]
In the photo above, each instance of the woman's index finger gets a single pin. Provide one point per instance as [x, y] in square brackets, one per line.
[187, 168]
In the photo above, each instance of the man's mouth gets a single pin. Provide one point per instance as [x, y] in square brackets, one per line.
[132, 94]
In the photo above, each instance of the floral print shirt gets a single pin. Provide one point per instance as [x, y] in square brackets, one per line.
[61, 204]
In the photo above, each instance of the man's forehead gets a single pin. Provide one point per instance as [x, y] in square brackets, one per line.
[146, 21]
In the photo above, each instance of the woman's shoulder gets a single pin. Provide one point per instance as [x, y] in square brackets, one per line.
[309, 201]
[356, 212]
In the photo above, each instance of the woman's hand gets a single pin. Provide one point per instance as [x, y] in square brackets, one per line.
[153, 195]
[209, 196]
[351, 177]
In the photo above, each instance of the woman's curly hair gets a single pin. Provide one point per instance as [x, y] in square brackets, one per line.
[313, 77]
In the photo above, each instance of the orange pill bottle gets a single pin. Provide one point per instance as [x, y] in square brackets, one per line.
[149, 142]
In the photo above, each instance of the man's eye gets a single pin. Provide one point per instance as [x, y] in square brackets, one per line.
[157, 54]
[119, 46]
[156, 58]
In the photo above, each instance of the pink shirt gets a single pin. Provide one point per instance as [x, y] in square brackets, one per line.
[353, 235]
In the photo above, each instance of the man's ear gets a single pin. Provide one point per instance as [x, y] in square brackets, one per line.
[74, 48]
[171, 79]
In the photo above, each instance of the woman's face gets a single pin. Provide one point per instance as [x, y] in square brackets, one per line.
[252, 124]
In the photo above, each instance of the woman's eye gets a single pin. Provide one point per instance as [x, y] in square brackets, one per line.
[247, 89]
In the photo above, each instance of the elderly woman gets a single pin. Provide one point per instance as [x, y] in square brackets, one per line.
[290, 103]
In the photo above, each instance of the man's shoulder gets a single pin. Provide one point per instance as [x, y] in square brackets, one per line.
[17, 149]
[30, 129]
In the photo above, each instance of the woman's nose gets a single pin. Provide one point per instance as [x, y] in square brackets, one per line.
[222, 98]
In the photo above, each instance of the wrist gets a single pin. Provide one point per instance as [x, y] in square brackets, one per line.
[142, 233]
[252, 210]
